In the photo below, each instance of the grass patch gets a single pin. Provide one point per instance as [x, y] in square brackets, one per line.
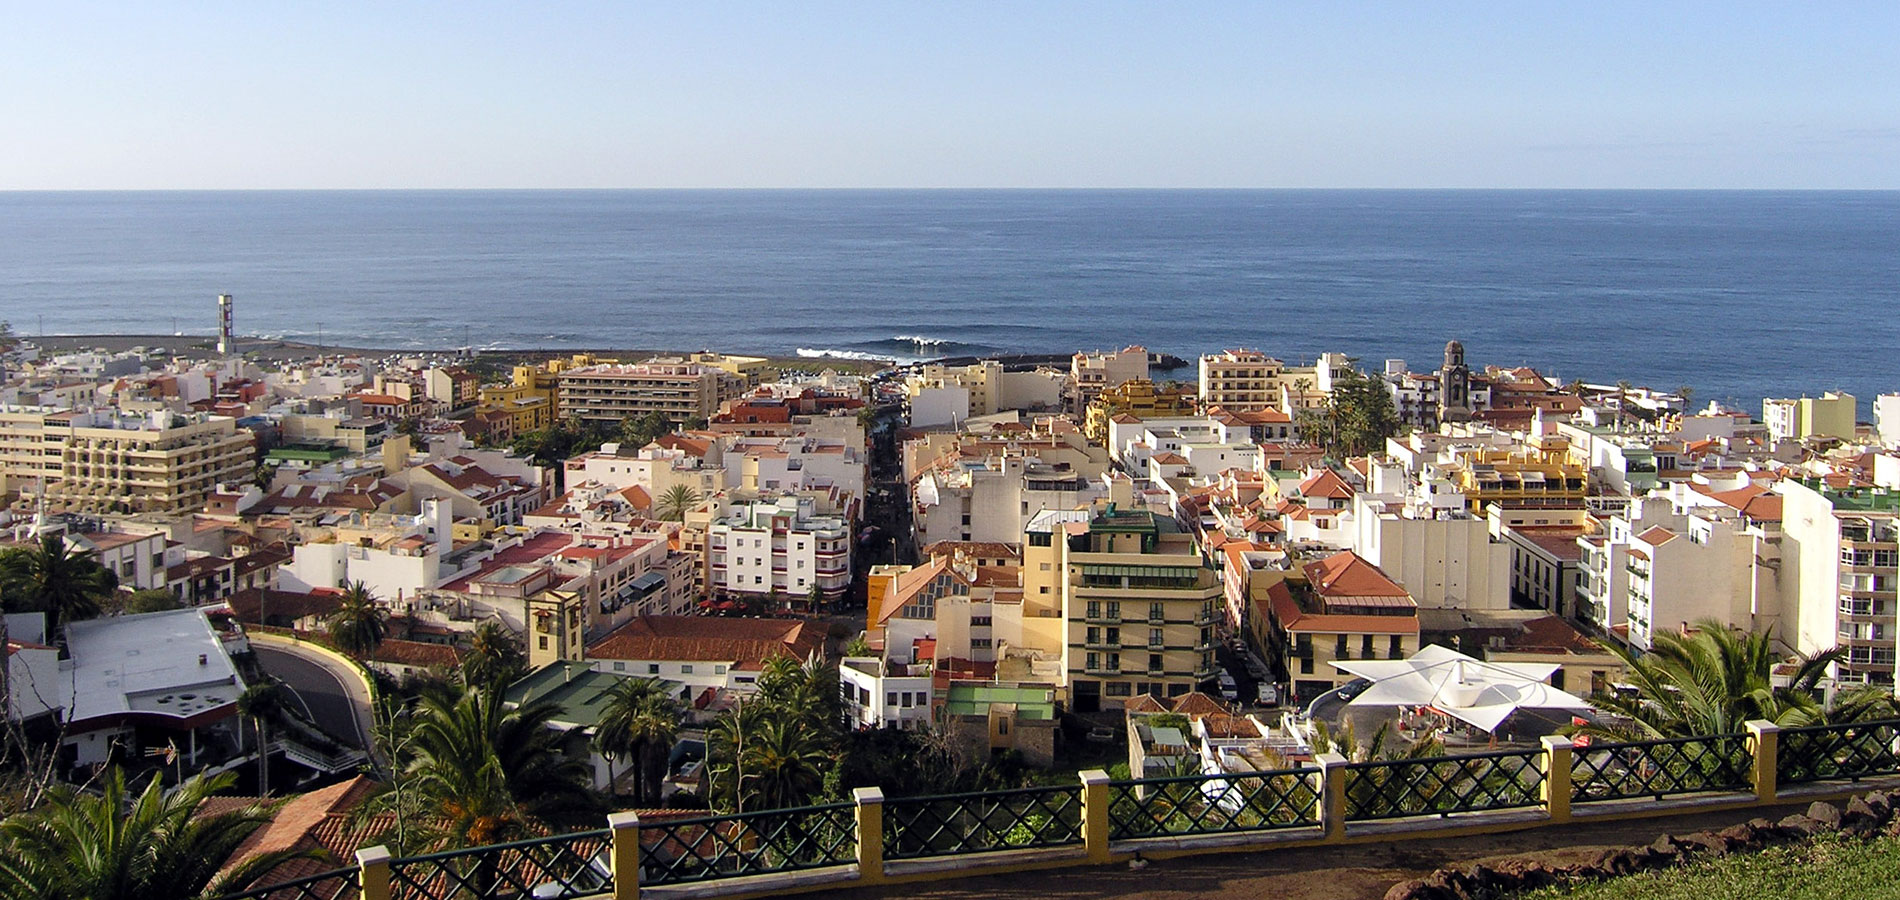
[1821, 869]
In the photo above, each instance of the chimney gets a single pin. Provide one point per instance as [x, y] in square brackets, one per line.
[202, 659]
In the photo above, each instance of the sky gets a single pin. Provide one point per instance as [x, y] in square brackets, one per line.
[811, 94]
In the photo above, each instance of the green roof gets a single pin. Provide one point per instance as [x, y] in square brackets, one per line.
[974, 699]
[576, 687]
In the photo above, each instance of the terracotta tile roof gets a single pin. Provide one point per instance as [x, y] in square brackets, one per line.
[250, 603]
[1295, 620]
[1195, 703]
[1347, 574]
[416, 653]
[744, 643]
[1550, 634]
[1145, 703]
[1657, 536]
[1325, 484]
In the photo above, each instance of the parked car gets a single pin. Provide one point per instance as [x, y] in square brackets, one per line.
[1353, 688]
[1101, 734]
[1229, 689]
[1268, 694]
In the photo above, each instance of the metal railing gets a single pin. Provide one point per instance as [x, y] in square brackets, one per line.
[1825, 752]
[705, 848]
[1442, 785]
[950, 824]
[550, 868]
[1098, 819]
[336, 884]
[1214, 804]
[1660, 768]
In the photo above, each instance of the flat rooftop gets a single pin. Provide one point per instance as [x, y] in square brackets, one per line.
[169, 663]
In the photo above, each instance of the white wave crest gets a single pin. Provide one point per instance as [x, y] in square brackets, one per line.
[921, 340]
[829, 353]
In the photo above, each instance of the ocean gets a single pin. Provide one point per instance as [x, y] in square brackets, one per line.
[1736, 294]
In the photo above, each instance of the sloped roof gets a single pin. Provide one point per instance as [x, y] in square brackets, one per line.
[744, 643]
[1325, 484]
[1347, 574]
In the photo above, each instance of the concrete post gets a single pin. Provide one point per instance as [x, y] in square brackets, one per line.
[1557, 770]
[1332, 795]
[1096, 799]
[624, 855]
[374, 873]
[870, 819]
[1764, 744]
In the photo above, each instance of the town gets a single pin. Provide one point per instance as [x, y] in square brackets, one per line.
[377, 606]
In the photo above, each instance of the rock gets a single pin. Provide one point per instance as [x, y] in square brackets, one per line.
[1858, 812]
[1880, 803]
[1798, 825]
[1524, 873]
[1826, 813]
[1703, 843]
[1746, 835]
[1411, 890]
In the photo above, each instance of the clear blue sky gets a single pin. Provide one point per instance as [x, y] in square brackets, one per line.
[334, 94]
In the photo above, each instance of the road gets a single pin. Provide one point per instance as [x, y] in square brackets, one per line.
[332, 695]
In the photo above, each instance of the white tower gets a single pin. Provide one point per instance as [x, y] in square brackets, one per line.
[226, 343]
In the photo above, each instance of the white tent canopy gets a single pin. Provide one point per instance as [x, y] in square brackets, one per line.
[1472, 690]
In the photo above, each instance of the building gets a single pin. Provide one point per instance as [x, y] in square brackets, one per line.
[157, 680]
[992, 498]
[1098, 371]
[1337, 608]
[107, 461]
[779, 548]
[704, 653]
[1840, 558]
[878, 693]
[1138, 603]
[1240, 381]
[679, 391]
[1546, 567]
[454, 387]
[1829, 416]
[1138, 398]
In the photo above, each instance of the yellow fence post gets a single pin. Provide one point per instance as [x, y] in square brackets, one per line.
[374, 873]
[870, 817]
[1096, 800]
[624, 853]
[1557, 768]
[1764, 744]
[1332, 795]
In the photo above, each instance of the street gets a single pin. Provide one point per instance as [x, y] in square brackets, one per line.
[323, 692]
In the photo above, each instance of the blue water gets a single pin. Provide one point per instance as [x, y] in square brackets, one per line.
[1736, 294]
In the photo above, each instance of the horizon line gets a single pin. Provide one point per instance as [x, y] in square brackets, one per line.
[949, 189]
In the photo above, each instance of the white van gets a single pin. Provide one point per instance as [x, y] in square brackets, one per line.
[1229, 689]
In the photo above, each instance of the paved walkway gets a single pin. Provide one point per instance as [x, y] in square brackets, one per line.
[1352, 872]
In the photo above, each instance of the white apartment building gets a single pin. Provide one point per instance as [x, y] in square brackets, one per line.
[393, 555]
[778, 547]
[1840, 558]
[880, 694]
[991, 499]
[679, 391]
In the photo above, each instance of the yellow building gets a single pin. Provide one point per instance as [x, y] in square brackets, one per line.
[1139, 398]
[753, 369]
[1137, 603]
[1540, 473]
[1337, 608]
[1830, 415]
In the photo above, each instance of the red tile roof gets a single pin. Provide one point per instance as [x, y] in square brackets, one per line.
[744, 643]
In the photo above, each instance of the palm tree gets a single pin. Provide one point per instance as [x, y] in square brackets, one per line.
[259, 702]
[675, 503]
[359, 624]
[49, 577]
[1715, 680]
[114, 845]
[640, 720]
[785, 764]
[486, 774]
[494, 658]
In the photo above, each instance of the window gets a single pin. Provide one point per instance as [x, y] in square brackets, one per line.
[653, 668]
[1092, 662]
[686, 669]
[1154, 637]
[1154, 662]
[1396, 649]
[1114, 609]
[1093, 610]
[1339, 647]
[1118, 689]
[1365, 647]
[719, 669]
[1091, 635]
[1157, 611]
[620, 667]
[979, 643]
[890, 698]
[544, 642]
[1306, 665]
[1114, 636]
[979, 621]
